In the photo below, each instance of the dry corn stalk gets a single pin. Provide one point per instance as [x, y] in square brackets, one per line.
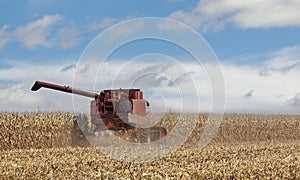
[246, 146]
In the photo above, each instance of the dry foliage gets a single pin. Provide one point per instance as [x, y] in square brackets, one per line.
[35, 130]
[246, 146]
[213, 162]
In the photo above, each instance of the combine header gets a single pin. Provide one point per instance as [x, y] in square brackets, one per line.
[110, 110]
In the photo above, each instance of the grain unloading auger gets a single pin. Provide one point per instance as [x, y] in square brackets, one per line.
[111, 110]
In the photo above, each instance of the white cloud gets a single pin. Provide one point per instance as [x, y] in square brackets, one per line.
[271, 91]
[103, 23]
[14, 97]
[18, 97]
[287, 55]
[282, 61]
[67, 37]
[16, 82]
[4, 36]
[129, 28]
[106, 22]
[50, 31]
[295, 101]
[244, 14]
[37, 33]
[239, 80]
[24, 72]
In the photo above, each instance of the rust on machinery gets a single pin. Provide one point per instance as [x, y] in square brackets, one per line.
[110, 109]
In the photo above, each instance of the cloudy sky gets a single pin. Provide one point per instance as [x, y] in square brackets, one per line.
[257, 43]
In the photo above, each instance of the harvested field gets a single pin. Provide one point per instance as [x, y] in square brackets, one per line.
[246, 146]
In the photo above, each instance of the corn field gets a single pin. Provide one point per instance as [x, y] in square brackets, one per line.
[39, 145]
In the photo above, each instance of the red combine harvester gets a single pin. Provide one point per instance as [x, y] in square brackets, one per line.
[110, 110]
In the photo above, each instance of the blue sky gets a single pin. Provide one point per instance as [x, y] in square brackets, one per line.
[228, 42]
[257, 41]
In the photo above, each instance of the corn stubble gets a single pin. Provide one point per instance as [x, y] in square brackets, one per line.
[245, 146]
